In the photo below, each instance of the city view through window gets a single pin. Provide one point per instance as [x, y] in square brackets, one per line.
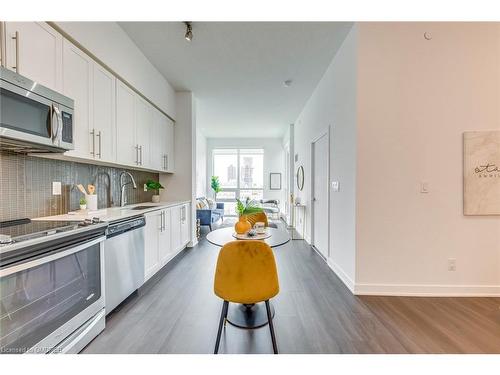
[241, 175]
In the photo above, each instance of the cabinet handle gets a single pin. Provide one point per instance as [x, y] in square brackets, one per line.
[164, 221]
[99, 135]
[16, 37]
[92, 133]
[166, 162]
[161, 221]
[137, 154]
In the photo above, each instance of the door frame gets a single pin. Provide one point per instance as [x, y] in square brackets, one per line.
[324, 132]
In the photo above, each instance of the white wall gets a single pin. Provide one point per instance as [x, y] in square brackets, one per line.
[333, 106]
[181, 185]
[273, 158]
[109, 43]
[201, 164]
[416, 98]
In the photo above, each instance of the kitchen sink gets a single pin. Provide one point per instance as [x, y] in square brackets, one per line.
[140, 208]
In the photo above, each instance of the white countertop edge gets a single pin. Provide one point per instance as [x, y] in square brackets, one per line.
[113, 213]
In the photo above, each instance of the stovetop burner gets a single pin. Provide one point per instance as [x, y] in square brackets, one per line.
[25, 229]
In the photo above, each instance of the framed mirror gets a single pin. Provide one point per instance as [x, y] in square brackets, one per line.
[300, 177]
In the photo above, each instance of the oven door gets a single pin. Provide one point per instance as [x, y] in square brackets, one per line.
[43, 301]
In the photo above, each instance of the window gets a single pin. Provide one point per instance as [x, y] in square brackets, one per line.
[241, 175]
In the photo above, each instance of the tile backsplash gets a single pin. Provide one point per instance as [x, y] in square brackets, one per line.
[26, 186]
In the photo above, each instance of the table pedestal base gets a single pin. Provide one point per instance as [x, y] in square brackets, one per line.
[248, 316]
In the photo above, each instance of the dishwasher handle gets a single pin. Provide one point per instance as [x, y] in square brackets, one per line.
[115, 229]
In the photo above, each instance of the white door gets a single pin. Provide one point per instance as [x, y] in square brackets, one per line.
[34, 50]
[151, 253]
[143, 125]
[320, 195]
[104, 113]
[77, 84]
[126, 151]
[165, 243]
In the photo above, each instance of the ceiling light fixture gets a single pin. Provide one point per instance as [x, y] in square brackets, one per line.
[189, 31]
[287, 83]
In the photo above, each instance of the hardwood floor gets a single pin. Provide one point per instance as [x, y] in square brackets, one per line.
[315, 313]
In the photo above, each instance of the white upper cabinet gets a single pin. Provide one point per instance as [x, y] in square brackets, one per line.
[77, 84]
[162, 142]
[93, 90]
[34, 50]
[126, 147]
[169, 146]
[112, 122]
[104, 111]
[143, 127]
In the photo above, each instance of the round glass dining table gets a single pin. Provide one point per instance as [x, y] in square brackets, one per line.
[248, 315]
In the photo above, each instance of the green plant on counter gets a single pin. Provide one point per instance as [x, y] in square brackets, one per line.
[83, 202]
[248, 208]
[215, 185]
[154, 185]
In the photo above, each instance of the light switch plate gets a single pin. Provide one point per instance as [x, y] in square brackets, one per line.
[56, 188]
[424, 187]
[336, 186]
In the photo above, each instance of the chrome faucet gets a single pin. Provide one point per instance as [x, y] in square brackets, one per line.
[122, 186]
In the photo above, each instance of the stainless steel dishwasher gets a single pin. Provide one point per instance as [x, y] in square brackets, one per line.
[123, 260]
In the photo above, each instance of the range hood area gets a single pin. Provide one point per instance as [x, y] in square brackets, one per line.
[33, 118]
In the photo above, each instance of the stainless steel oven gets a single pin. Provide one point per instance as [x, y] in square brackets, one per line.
[52, 293]
[33, 118]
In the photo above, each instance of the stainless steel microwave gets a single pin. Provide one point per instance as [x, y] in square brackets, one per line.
[33, 118]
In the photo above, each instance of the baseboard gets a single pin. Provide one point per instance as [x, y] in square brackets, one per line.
[417, 290]
[344, 277]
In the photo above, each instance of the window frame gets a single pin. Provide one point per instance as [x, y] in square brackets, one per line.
[238, 187]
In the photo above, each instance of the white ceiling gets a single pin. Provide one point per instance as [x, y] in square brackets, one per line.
[236, 69]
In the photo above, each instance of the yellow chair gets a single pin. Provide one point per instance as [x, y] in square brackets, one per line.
[256, 217]
[246, 273]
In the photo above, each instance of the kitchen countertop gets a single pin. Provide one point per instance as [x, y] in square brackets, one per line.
[112, 213]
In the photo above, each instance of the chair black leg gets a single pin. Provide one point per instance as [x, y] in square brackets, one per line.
[271, 327]
[223, 317]
[210, 226]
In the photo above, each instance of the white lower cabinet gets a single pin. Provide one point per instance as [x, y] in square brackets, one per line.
[165, 238]
[151, 244]
[166, 234]
[185, 219]
[176, 228]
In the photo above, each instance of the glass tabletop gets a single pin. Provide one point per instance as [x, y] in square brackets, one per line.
[220, 237]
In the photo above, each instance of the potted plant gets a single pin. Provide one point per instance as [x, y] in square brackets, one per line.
[155, 186]
[83, 204]
[242, 226]
[215, 184]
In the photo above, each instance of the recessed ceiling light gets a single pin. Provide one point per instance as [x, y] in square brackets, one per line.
[189, 31]
[287, 83]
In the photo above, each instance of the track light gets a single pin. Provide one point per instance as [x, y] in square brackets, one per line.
[189, 31]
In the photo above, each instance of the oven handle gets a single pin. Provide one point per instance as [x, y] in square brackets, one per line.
[50, 258]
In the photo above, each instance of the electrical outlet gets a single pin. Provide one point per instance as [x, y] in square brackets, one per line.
[56, 188]
[452, 264]
[145, 187]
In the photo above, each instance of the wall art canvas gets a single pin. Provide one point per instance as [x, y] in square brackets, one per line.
[482, 173]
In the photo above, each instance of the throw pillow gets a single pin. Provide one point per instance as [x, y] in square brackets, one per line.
[211, 204]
